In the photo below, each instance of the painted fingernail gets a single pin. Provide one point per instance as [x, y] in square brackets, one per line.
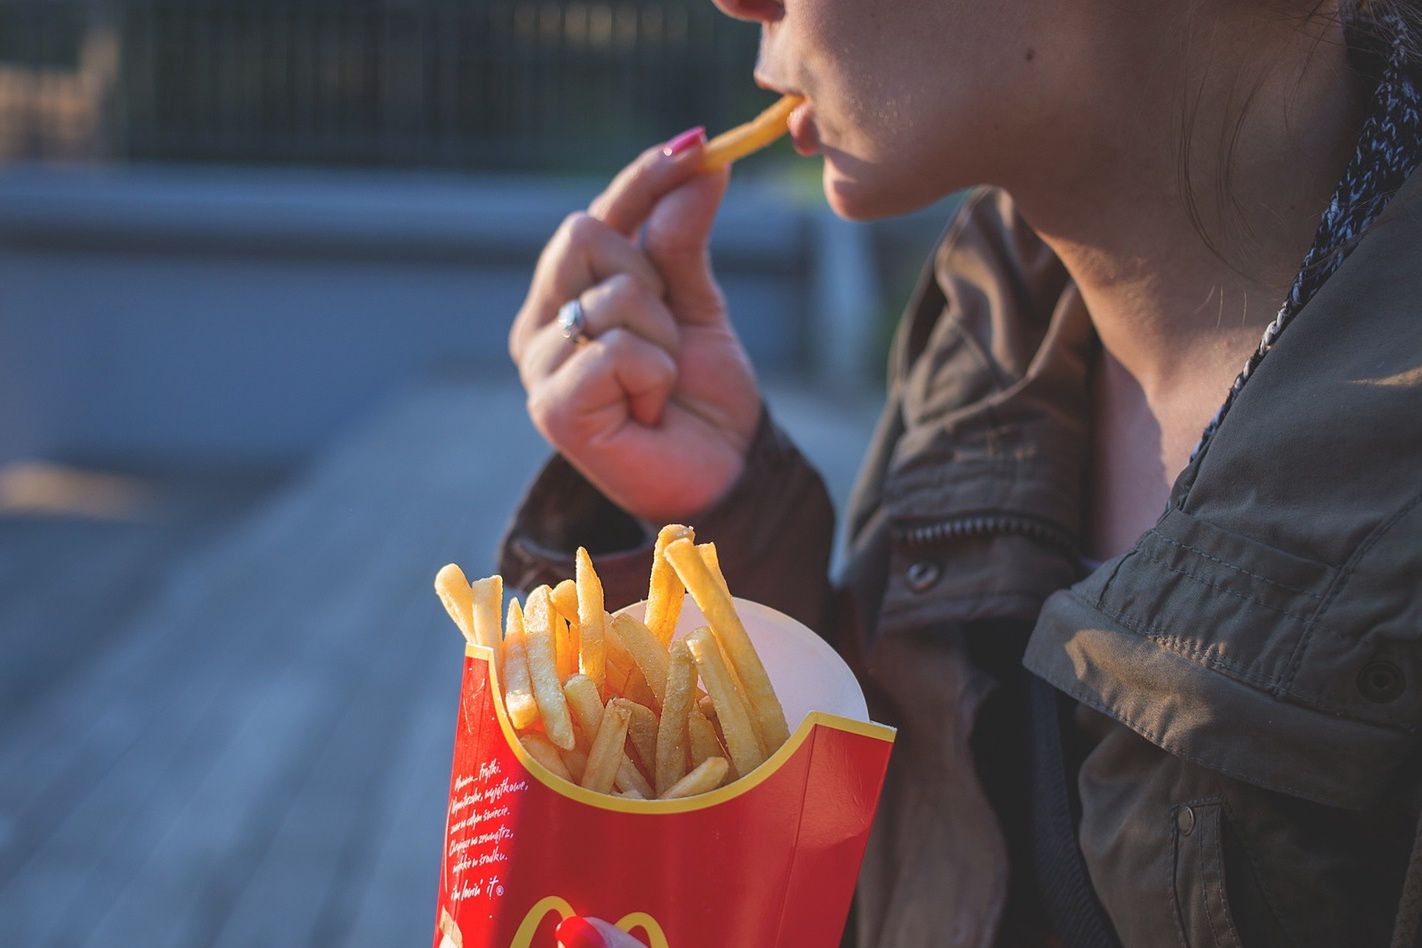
[686, 140]
[575, 932]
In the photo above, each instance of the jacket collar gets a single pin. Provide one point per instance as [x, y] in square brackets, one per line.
[1254, 627]
[990, 373]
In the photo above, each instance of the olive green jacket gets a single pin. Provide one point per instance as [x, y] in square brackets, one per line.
[1245, 683]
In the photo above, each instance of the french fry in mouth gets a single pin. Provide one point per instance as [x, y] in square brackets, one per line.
[744, 140]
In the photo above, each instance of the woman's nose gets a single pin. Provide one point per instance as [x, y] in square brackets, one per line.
[758, 11]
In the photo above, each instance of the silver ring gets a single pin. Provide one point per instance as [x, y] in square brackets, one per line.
[573, 322]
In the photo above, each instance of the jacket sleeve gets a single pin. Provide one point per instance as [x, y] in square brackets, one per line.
[773, 531]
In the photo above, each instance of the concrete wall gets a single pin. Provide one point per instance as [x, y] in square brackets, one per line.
[211, 317]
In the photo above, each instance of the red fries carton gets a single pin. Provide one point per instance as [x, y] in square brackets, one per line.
[770, 859]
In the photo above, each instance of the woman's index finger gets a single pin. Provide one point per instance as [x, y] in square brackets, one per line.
[629, 199]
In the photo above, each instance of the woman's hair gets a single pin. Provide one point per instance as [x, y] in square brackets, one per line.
[1368, 21]
[1370, 32]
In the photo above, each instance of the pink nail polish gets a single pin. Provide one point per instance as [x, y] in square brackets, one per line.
[685, 141]
[574, 932]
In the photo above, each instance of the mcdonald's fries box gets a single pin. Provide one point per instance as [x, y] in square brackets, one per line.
[769, 859]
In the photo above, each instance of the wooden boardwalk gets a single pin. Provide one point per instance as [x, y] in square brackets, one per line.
[234, 728]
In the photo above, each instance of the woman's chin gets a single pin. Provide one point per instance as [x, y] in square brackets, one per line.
[854, 194]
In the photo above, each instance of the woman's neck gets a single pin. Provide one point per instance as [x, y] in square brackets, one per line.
[1176, 321]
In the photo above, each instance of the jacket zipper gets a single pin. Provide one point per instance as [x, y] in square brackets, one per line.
[978, 525]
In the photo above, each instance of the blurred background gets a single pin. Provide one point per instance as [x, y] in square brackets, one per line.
[258, 259]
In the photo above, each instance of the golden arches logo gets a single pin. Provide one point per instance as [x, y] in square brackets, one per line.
[523, 938]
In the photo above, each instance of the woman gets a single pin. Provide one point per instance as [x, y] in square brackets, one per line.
[1212, 741]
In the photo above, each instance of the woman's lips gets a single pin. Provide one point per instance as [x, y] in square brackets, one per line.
[802, 130]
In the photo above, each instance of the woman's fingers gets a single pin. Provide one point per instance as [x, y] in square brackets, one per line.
[654, 323]
[677, 201]
[579, 932]
[629, 199]
[677, 239]
[620, 302]
[583, 253]
[603, 384]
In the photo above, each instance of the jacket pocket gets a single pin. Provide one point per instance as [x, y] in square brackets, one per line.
[1202, 911]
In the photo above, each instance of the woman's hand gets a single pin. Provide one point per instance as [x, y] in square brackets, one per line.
[657, 407]
[577, 932]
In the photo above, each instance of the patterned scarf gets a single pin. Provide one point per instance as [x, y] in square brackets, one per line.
[1388, 151]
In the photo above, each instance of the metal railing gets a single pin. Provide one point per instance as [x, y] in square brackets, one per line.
[495, 84]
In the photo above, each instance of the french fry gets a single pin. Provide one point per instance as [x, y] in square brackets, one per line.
[575, 640]
[488, 604]
[671, 730]
[565, 600]
[592, 621]
[754, 135]
[577, 763]
[564, 651]
[584, 702]
[649, 654]
[616, 650]
[518, 685]
[543, 751]
[706, 777]
[613, 704]
[630, 778]
[664, 591]
[624, 677]
[721, 731]
[453, 589]
[712, 559]
[617, 675]
[745, 750]
[543, 669]
[716, 604]
[638, 690]
[641, 733]
[702, 740]
[743, 698]
[607, 752]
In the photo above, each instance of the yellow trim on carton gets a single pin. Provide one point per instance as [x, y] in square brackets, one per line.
[720, 795]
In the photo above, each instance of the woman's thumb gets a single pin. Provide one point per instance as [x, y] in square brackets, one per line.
[677, 240]
[577, 932]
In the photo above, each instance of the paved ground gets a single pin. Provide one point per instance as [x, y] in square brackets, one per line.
[231, 725]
